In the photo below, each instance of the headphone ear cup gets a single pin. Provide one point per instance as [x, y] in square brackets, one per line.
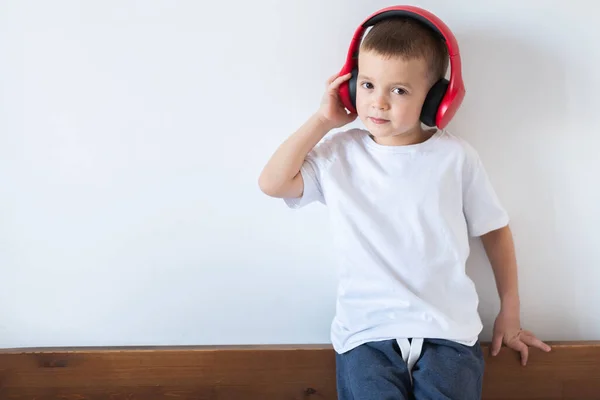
[433, 101]
[352, 86]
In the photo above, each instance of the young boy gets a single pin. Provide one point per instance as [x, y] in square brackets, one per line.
[403, 201]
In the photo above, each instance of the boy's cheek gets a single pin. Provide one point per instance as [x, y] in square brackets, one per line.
[362, 103]
[361, 114]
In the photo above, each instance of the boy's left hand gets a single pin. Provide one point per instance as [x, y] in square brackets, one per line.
[507, 330]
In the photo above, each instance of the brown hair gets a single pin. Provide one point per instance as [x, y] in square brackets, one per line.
[410, 39]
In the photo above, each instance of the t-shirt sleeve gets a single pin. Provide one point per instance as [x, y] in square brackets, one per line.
[483, 210]
[313, 171]
[312, 185]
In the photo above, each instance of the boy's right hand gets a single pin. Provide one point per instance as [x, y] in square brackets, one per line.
[332, 110]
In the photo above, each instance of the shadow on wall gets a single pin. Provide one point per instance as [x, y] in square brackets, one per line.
[513, 115]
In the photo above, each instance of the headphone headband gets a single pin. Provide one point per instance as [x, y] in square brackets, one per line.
[453, 91]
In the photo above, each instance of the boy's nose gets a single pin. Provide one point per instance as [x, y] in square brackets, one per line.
[380, 103]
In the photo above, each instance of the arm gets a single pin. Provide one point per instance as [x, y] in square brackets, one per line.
[500, 250]
[281, 175]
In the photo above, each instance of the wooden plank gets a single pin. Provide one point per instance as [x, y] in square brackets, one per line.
[569, 372]
[220, 373]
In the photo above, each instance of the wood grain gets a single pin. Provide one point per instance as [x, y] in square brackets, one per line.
[570, 372]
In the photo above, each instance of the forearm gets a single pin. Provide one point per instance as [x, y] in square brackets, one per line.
[500, 250]
[285, 163]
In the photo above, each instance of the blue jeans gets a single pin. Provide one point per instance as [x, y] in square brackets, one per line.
[445, 370]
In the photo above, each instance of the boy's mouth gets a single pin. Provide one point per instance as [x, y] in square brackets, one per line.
[378, 120]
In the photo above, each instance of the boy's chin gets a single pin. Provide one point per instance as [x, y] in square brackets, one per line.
[379, 130]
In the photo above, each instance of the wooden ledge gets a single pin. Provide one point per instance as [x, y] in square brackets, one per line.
[248, 372]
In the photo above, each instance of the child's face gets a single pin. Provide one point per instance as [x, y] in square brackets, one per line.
[390, 94]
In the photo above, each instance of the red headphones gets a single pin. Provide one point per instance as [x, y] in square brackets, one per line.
[444, 98]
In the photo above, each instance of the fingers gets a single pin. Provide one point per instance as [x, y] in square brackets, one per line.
[331, 79]
[521, 347]
[519, 342]
[496, 343]
[531, 340]
[338, 80]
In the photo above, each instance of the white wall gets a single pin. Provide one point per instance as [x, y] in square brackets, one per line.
[132, 134]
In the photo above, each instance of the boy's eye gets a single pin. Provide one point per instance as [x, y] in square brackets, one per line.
[367, 85]
[399, 91]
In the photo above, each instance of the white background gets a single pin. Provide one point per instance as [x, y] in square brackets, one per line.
[132, 135]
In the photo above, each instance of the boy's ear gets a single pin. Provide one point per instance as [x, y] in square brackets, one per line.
[433, 101]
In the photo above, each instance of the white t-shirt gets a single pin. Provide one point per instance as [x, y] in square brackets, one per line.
[401, 217]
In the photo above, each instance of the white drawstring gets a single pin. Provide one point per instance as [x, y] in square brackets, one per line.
[411, 351]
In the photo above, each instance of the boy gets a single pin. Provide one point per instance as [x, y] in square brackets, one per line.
[403, 201]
